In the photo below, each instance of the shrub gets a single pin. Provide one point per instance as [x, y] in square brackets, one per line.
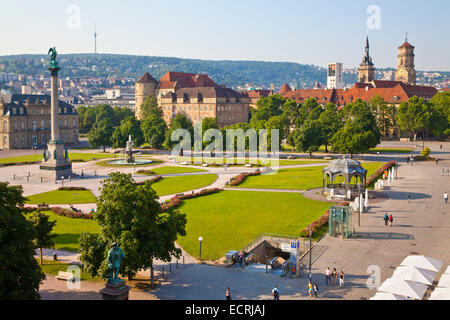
[72, 188]
[374, 177]
[176, 201]
[153, 180]
[426, 152]
[146, 172]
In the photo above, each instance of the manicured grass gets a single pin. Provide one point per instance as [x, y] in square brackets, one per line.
[105, 163]
[296, 178]
[174, 185]
[175, 170]
[54, 267]
[68, 230]
[230, 220]
[72, 156]
[242, 162]
[63, 197]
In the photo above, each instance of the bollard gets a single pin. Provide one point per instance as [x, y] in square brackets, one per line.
[70, 178]
[163, 272]
[56, 181]
[41, 179]
[55, 256]
[177, 263]
[14, 176]
[28, 178]
[170, 267]
[183, 260]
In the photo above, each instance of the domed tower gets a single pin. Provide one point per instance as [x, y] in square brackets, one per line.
[145, 86]
[405, 70]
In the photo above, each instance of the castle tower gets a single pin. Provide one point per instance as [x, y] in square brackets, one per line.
[366, 71]
[145, 86]
[405, 70]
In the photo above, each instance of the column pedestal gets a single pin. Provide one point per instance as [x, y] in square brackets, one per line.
[118, 291]
[57, 166]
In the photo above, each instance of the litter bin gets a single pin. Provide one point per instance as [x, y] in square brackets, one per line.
[55, 256]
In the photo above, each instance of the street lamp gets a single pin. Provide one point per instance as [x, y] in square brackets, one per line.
[200, 239]
[310, 253]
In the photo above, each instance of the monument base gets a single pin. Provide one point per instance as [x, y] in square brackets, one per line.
[56, 166]
[118, 291]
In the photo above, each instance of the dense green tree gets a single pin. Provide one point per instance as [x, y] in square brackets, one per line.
[268, 107]
[275, 123]
[128, 126]
[150, 107]
[43, 229]
[120, 113]
[130, 214]
[360, 131]
[330, 122]
[104, 111]
[101, 134]
[291, 112]
[309, 137]
[20, 274]
[441, 102]
[154, 131]
[180, 121]
[384, 114]
[88, 120]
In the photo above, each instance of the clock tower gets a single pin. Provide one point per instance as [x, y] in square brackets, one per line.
[405, 70]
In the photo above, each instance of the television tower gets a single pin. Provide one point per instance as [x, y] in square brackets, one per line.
[95, 38]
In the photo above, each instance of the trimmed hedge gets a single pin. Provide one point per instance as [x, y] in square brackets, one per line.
[153, 180]
[176, 201]
[320, 223]
[72, 188]
[63, 212]
[146, 172]
[240, 178]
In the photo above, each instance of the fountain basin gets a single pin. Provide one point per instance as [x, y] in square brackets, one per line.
[124, 162]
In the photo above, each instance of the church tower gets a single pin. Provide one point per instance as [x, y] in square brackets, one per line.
[366, 71]
[405, 70]
[145, 86]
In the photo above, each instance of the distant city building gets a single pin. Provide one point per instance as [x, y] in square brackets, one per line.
[26, 89]
[227, 105]
[255, 95]
[335, 78]
[25, 121]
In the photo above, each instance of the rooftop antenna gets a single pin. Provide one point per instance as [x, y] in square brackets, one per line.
[95, 38]
[406, 38]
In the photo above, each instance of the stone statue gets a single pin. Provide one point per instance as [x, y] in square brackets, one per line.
[54, 68]
[54, 154]
[44, 154]
[66, 154]
[115, 260]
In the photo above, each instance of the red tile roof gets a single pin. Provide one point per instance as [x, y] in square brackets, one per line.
[285, 89]
[406, 44]
[321, 95]
[256, 94]
[185, 80]
[146, 78]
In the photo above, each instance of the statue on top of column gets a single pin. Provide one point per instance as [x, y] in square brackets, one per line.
[54, 68]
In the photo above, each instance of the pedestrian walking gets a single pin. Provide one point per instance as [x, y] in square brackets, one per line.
[448, 172]
[441, 147]
[276, 293]
[341, 279]
[409, 198]
[310, 288]
[446, 197]
[391, 220]
[335, 276]
[328, 276]
[228, 294]
[443, 172]
[407, 160]
[316, 289]
[386, 219]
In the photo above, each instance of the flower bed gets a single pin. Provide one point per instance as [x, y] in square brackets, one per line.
[63, 212]
[145, 172]
[320, 223]
[176, 201]
[374, 177]
[72, 188]
[153, 180]
[240, 178]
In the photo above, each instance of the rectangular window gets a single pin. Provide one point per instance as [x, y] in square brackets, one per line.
[42, 124]
[22, 125]
[74, 123]
[34, 124]
[66, 124]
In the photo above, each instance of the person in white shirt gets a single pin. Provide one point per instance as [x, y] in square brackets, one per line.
[446, 197]
[328, 275]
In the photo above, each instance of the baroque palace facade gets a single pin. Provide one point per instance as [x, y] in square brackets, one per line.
[195, 95]
[25, 121]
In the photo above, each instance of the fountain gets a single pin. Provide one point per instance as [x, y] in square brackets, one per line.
[130, 158]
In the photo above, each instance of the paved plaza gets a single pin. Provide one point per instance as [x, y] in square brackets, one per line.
[420, 227]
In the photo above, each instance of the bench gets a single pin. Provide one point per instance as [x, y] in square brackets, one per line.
[248, 165]
[184, 163]
[43, 207]
[204, 165]
[68, 276]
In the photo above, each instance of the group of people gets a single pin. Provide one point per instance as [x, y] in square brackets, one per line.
[335, 278]
[388, 219]
[445, 171]
[275, 293]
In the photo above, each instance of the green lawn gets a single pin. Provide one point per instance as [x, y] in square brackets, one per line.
[72, 156]
[54, 267]
[175, 170]
[68, 230]
[296, 178]
[63, 197]
[230, 220]
[174, 185]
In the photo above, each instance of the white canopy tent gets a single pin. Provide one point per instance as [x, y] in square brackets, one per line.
[447, 271]
[445, 281]
[423, 263]
[405, 288]
[415, 274]
[440, 294]
[387, 296]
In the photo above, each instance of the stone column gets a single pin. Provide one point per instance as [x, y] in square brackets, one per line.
[55, 108]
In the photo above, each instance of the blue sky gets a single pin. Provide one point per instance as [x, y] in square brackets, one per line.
[309, 32]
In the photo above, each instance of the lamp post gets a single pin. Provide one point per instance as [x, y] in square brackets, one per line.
[200, 239]
[310, 253]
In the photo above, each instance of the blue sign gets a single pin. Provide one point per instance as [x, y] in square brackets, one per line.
[294, 244]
